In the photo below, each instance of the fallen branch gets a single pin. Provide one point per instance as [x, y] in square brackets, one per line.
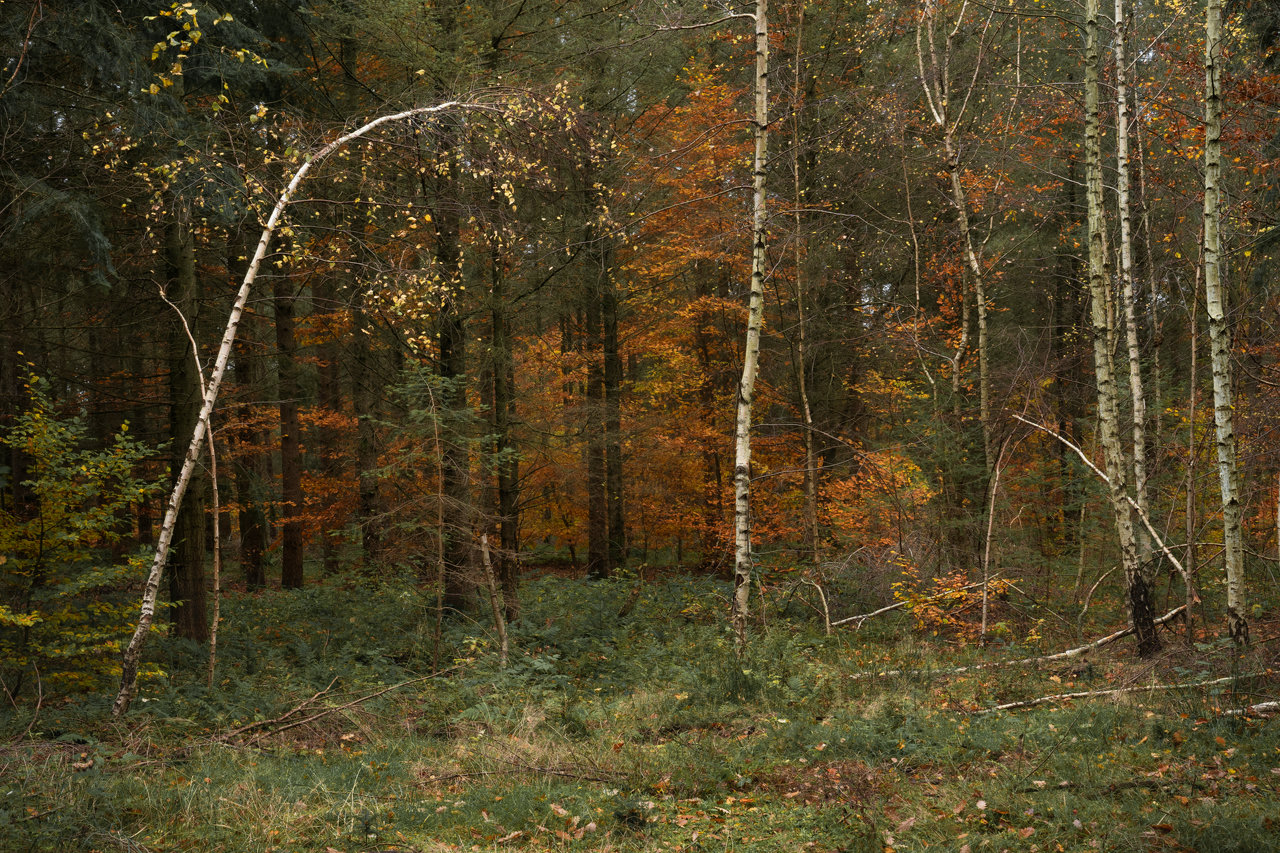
[1064, 655]
[1114, 692]
[1257, 708]
[306, 703]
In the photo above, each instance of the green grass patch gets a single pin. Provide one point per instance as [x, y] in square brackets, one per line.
[641, 733]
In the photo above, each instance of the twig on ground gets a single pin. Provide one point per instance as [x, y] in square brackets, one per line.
[284, 723]
[1113, 692]
[1064, 655]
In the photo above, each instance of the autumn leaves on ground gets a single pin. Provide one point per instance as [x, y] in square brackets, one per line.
[644, 733]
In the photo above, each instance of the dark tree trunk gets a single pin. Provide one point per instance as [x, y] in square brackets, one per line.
[613, 420]
[291, 544]
[329, 401]
[251, 475]
[455, 458]
[189, 611]
[452, 368]
[507, 473]
[598, 565]
[364, 398]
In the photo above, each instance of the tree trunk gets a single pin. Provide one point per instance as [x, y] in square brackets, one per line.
[1219, 332]
[1137, 395]
[1101, 315]
[251, 476]
[508, 470]
[936, 81]
[598, 565]
[189, 611]
[455, 458]
[614, 503]
[365, 394]
[288, 392]
[742, 560]
[328, 453]
[802, 343]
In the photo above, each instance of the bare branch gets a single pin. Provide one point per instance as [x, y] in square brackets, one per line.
[1142, 515]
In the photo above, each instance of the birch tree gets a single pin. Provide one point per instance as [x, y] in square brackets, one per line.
[1219, 334]
[940, 98]
[742, 561]
[1103, 323]
[133, 652]
[1123, 180]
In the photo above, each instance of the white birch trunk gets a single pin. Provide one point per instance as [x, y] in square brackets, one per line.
[1102, 317]
[133, 652]
[742, 562]
[1123, 179]
[1219, 333]
[938, 96]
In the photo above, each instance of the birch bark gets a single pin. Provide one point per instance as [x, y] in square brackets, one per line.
[742, 562]
[133, 652]
[1219, 333]
[1123, 180]
[1101, 316]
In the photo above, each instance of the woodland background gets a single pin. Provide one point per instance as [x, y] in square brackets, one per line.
[496, 349]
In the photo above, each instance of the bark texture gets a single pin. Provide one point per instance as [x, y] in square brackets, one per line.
[1102, 316]
[1219, 331]
[742, 561]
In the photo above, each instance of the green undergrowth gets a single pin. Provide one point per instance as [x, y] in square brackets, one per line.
[639, 733]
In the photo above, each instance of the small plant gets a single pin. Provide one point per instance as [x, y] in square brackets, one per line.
[948, 605]
[62, 616]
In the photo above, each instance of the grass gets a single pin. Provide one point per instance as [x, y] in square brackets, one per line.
[635, 734]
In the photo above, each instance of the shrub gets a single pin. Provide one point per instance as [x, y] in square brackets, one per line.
[63, 617]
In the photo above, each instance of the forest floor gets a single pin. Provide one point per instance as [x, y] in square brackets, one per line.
[642, 733]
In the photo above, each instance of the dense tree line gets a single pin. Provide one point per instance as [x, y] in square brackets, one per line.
[1016, 261]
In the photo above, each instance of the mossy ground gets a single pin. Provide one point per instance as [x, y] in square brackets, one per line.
[638, 734]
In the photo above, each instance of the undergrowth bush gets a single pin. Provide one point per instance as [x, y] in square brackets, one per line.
[65, 604]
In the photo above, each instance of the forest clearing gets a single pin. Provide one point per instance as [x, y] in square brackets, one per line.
[644, 733]
[642, 425]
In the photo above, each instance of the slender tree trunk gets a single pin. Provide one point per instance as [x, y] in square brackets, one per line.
[742, 560]
[613, 419]
[329, 401]
[1193, 453]
[597, 492]
[947, 109]
[496, 605]
[507, 467]
[133, 651]
[1219, 331]
[250, 468]
[1136, 392]
[1139, 603]
[365, 393]
[802, 344]
[288, 393]
[189, 611]
[455, 458]
[251, 476]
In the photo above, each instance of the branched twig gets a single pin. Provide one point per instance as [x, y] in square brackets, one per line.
[284, 722]
[865, 616]
[1142, 514]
